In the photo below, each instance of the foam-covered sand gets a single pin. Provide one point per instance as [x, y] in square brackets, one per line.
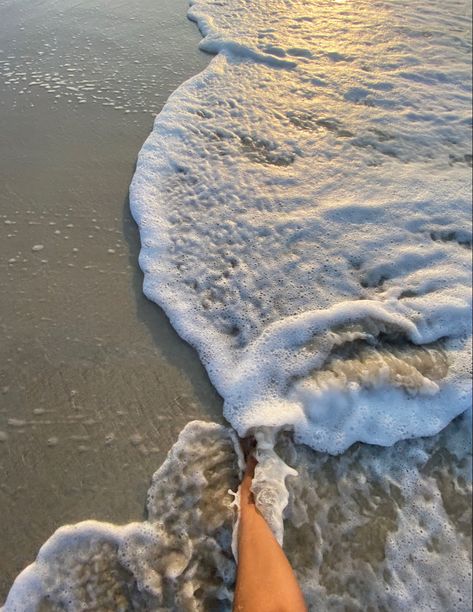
[311, 189]
[373, 529]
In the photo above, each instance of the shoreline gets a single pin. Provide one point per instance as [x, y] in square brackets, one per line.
[97, 384]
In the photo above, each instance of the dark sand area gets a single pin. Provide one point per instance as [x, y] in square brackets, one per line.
[94, 383]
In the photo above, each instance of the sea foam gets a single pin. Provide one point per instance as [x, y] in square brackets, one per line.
[306, 199]
[380, 529]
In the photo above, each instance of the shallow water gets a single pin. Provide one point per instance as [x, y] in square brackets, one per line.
[311, 190]
[373, 529]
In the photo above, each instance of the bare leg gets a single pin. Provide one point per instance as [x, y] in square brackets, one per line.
[265, 580]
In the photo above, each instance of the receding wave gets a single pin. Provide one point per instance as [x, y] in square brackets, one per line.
[315, 177]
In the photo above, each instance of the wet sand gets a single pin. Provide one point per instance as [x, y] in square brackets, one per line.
[94, 383]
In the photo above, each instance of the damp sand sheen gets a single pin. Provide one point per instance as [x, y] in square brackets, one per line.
[304, 212]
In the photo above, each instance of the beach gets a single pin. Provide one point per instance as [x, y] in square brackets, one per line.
[302, 208]
[95, 383]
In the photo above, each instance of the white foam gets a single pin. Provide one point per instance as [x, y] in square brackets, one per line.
[384, 528]
[179, 558]
[313, 177]
[371, 529]
[269, 483]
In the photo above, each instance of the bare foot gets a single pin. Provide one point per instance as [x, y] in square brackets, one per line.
[248, 446]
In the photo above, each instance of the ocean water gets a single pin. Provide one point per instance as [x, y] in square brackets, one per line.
[305, 199]
[372, 529]
[304, 211]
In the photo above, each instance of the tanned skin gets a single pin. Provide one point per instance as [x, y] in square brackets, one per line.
[265, 580]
